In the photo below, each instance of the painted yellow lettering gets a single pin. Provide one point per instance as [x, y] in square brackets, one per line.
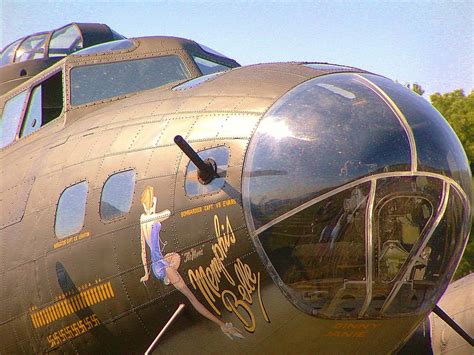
[199, 282]
[232, 304]
[247, 280]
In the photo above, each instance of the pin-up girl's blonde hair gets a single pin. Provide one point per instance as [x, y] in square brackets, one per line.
[147, 197]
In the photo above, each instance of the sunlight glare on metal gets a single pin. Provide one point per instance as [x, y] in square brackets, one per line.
[277, 129]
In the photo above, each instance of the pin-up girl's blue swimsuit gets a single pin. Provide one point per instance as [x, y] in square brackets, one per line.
[158, 263]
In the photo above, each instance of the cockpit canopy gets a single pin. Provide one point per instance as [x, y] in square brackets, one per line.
[30, 55]
[57, 43]
[99, 66]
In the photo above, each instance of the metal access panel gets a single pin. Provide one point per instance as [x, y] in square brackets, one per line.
[14, 199]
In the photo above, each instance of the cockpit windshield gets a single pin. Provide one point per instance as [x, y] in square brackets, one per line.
[102, 81]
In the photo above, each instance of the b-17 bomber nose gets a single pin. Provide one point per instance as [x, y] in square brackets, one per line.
[357, 196]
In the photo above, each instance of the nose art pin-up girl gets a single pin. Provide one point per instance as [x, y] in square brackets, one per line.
[165, 268]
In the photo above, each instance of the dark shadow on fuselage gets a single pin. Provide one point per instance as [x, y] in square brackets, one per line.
[100, 332]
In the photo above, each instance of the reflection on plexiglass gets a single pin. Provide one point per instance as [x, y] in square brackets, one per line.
[319, 253]
[192, 185]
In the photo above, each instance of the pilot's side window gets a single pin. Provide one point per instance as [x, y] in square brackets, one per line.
[192, 185]
[46, 104]
[117, 195]
[71, 210]
[10, 118]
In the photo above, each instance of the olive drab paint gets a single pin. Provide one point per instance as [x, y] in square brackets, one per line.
[284, 250]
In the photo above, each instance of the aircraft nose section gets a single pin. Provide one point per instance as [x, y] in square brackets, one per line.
[357, 196]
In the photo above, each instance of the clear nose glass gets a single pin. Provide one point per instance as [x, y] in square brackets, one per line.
[322, 135]
[340, 208]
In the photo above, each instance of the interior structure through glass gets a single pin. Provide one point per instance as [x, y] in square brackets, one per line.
[347, 223]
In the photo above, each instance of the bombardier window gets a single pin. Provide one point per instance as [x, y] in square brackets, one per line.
[117, 195]
[71, 210]
[209, 67]
[102, 81]
[345, 221]
[320, 250]
[11, 118]
[46, 104]
[193, 187]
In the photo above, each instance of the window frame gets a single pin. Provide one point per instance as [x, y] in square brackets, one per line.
[30, 88]
[26, 111]
[27, 92]
[45, 45]
[123, 215]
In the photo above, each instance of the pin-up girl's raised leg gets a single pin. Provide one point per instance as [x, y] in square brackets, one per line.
[165, 268]
[174, 260]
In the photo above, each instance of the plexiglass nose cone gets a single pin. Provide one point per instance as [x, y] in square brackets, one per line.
[358, 196]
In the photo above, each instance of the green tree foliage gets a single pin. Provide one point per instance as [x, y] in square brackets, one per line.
[458, 109]
[466, 266]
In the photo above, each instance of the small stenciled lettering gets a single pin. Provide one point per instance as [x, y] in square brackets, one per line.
[209, 207]
[70, 240]
[73, 330]
[192, 254]
[351, 329]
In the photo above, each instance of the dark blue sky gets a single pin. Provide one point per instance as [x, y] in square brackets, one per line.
[431, 43]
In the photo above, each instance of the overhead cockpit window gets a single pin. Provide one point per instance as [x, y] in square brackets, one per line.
[10, 118]
[31, 48]
[102, 81]
[8, 54]
[117, 195]
[71, 210]
[220, 155]
[65, 41]
[45, 104]
[118, 45]
[208, 67]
